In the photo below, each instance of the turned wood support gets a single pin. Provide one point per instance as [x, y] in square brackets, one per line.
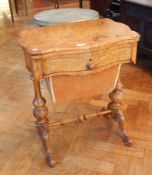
[40, 112]
[116, 112]
[79, 118]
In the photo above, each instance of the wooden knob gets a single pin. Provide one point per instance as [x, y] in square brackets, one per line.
[91, 65]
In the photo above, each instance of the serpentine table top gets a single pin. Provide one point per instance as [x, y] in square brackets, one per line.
[87, 48]
[75, 37]
[86, 38]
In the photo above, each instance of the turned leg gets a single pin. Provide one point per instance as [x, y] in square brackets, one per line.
[40, 112]
[116, 112]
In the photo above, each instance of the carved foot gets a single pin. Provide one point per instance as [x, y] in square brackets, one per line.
[119, 118]
[116, 113]
[40, 112]
[43, 131]
[50, 160]
[127, 141]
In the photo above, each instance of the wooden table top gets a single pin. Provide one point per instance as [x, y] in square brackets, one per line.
[74, 37]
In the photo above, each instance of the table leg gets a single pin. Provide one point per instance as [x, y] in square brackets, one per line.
[11, 10]
[40, 112]
[80, 3]
[117, 115]
[26, 9]
[16, 5]
[56, 4]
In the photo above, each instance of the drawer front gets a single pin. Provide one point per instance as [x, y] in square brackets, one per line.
[65, 63]
[85, 61]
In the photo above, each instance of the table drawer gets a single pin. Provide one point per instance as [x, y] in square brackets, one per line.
[84, 61]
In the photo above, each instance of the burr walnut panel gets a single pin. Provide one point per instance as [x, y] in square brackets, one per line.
[76, 37]
[78, 47]
[79, 62]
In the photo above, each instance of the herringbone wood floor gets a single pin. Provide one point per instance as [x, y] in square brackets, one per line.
[85, 149]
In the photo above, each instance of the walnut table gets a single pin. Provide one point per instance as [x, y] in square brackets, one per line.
[79, 59]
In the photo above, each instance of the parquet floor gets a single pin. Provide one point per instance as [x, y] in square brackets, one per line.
[79, 149]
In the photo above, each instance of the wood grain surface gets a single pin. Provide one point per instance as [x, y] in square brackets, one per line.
[98, 149]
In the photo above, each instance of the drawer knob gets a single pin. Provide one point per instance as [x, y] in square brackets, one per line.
[91, 65]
